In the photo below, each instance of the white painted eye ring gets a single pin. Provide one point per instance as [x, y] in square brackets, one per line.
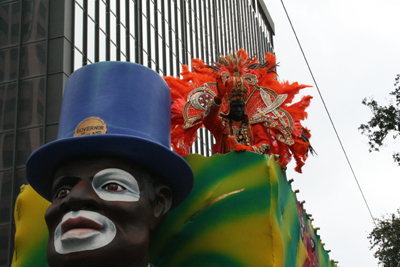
[127, 187]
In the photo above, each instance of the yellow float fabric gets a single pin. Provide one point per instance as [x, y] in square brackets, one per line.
[31, 231]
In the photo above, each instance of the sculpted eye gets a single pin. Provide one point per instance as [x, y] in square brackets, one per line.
[63, 192]
[113, 187]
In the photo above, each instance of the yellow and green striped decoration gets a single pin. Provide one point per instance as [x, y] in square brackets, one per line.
[241, 212]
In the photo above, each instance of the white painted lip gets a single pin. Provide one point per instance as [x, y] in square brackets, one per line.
[79, 233]
[83, 230]
[79, 228]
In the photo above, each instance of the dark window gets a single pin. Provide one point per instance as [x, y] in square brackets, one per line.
[15, 9]
[8, 64]
[4, 8]
[40, 30]
[4, 236]
[10, 105]
[41, 85]
[41, 54]
[26, 29]
[33, 59]
[5, 196]
[35, 27]
[27, 142]
[25, 112]
[13, 63]
[15, 31]
[31, 101]
[42, 11]
[28, 7]
[3, 26]
[14, 55]
[7, 106]
[40, 109]
[7, 149]
[7, 37]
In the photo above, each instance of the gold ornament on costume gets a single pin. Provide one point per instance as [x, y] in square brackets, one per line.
[198, 99]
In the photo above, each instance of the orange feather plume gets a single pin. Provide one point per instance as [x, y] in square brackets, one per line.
[203, 78]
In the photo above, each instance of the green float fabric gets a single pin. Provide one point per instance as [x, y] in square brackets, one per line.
[241, 212]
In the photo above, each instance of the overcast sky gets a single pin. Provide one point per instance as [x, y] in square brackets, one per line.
[353, 48]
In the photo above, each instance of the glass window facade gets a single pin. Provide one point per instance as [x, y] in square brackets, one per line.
[23, 65]
[43, 41]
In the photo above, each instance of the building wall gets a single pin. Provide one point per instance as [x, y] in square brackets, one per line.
[43, 41]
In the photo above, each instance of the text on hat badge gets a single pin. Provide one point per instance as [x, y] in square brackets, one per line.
[89, 126]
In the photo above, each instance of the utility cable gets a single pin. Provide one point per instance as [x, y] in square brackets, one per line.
[326, 109]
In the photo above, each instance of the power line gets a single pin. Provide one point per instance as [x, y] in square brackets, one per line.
[326, 109]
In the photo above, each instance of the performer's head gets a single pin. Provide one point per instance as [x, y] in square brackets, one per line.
[108, 174]
[237, 110]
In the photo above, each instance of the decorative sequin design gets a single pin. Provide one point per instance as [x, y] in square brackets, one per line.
[198, 101]
[241, 134]
[263, 149]
[273, 115]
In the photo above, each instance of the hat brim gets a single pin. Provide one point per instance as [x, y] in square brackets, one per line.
[41, 164]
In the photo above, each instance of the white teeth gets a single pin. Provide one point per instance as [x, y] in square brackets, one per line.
[81, 239]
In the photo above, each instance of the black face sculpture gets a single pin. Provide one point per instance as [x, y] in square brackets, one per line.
[236, 110]
[102, 213]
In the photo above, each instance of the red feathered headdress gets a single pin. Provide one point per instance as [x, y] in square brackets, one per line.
[268, 103]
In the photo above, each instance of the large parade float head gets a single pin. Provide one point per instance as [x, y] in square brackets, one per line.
[108, 174]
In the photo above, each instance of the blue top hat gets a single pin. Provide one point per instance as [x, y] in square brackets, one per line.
[116, 109]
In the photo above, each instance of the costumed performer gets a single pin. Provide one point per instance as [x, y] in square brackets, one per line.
[243, 105]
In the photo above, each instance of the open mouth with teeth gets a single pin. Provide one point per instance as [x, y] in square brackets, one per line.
[79, 227]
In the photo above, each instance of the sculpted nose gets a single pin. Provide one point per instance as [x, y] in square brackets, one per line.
[81, 197]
